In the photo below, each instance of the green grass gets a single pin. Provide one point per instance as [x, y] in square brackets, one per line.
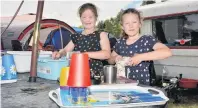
[187, 102]
[171, 105]
[188, 99]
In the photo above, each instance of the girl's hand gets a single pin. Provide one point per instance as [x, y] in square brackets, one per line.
[87, 54]
[135, 60]
[56, 55]
[117, 58]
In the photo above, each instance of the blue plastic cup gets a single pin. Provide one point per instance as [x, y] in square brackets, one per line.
[64, 94]
[78, 95]
[8, 71]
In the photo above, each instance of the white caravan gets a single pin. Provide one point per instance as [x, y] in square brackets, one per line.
[174, 23]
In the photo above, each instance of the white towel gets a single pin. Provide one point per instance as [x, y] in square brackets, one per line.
[121, 66]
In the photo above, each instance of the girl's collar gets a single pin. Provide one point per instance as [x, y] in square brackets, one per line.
[88, 33]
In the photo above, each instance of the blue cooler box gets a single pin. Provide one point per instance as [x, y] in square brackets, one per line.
[49, 68]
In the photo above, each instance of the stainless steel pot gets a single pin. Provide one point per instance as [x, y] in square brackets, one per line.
[69, 54]
[110, 74]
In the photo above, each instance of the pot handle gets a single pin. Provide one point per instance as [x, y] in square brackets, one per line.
[156, 92]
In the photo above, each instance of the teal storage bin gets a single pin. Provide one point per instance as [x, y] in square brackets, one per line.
[49, 68]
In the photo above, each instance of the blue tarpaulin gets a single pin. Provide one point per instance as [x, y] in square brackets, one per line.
[77, 29]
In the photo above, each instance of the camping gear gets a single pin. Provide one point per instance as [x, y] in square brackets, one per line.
[188, 83]
[78, 30]
[49, 68]
[177, 87]
[58, 38]
[22, 59]
[22, 28]
[8, 69]
[110, 74]
[115, 95]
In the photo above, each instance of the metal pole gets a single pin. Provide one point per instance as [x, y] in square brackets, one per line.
[61, 36]
[36, 35]
[13, 17]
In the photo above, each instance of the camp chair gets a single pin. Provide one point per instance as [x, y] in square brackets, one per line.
[152, 74]
[112, 41]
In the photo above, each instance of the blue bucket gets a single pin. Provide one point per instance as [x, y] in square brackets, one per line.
[8, 68]
[49, 68]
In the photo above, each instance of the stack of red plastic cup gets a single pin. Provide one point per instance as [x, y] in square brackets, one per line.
[79, 77]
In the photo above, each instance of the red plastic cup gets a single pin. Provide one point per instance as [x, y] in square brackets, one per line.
[79, 72]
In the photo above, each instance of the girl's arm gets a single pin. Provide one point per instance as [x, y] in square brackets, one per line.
[69, 47]
[105, 48]
[112, 59]
[161, 51]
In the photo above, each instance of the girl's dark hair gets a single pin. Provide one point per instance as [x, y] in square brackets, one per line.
[127, 11]
[86, 6]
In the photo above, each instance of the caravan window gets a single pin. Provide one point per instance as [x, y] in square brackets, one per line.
[177, 31]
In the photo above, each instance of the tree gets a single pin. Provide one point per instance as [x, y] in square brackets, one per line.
[108, 26]
[111, 25]
[118, 17]
[80, 26]
[101, 25]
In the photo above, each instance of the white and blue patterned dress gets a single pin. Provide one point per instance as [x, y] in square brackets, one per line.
[87, 43]
[144, 44]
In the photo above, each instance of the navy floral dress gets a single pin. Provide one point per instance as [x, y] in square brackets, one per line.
[86, 43]
[144, 44]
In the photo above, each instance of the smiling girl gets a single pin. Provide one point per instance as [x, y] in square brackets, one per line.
[140, 49]
[90, 41]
